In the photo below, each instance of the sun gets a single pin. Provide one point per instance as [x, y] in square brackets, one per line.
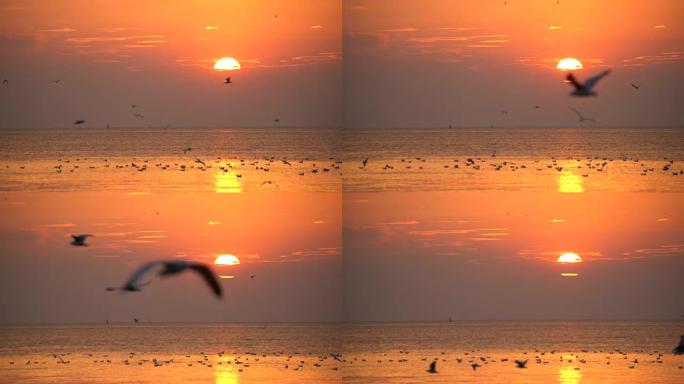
[226, 64]
[569, 64]
[227, 260]
[569, 257]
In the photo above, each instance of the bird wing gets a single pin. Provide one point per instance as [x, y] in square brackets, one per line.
[209, 277]
[140, 273]
[576, 111]
[571, 79]
[589, 84]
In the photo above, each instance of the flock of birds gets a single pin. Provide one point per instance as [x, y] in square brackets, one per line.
[299, 361]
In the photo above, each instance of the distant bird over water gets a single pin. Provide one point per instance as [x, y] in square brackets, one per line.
[169, 268]
[78, 122]
[521, 363]
[636, 86]
[433, 367]
[585, 89]
[582, 118]
[227, 80]
[80, 240]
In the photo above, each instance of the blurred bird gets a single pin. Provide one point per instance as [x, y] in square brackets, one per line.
[77, 122]
[521, 363]
[227, 80]
[582, 118]
[636, 86]
[169, 268]
[583, 90]
[433, 367]
[80, 240]
[679, 350]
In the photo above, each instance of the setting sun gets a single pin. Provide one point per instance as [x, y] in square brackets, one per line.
[569, 257]
[226, 64]
[569, 64]
[227, 260]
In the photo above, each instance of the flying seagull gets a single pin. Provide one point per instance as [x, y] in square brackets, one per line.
[582, 118]
[583, 90]
[521, 363]
[80, 240]
[433, 367]
[636, 86]
[77, 122]
[169, 268]
[139, 116]
[365, 161]
[186, 150]
[227, 80]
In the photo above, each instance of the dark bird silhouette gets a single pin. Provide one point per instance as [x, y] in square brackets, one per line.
[433, 367]
[227, 80]
[521, 363]
[365, 162]
[679, 350]
[169, 268]
[276, 120]
[135, 320]
[585, 89]
[336, 357]
[186, 150]
[475, 366]
[635, 86]
[78, 122]
[80, 240]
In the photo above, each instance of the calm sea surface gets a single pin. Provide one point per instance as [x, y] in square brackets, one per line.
[564, 352]
[593, 159]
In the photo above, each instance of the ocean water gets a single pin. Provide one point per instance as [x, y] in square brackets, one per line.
[557, 351]
[529, 159]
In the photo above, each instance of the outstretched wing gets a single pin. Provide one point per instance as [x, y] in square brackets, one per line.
[576, 111]
[589, 84]
[133, 281]
[571, 79]
[209, 277]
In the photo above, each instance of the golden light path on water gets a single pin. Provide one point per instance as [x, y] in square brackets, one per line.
[227, 182]
[569, 181]
[568, 375]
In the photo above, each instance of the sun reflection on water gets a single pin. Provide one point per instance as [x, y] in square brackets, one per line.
[569, 375]
[226, 375]
[227, 182]
[569, 181]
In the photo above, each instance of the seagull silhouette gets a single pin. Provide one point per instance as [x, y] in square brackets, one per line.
[521, 363]
[77, 122]
[433, 367]
[635, 86]
[679, 350]
[227, 80]
[186, 150]
[169, 268]
[80, 240]
[585, 89]
[582, 118]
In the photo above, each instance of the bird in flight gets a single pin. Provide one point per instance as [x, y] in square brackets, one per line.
[365, 161]
[139, 116]
[186, 150]
[582, 118]
[521, 363]
[80, 240]
[585, 89]
[276, 120]
[636, 86]
[56, 81]
[5, 82]
[77, 122]
[227, 80]
[433, 367]
[169, 268]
